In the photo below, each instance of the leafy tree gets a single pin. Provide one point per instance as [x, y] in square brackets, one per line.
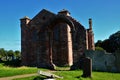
[98, 43]
[106, 45]
[10, 54]
[17, 54]
[3, 53]
[115, 41]
[112, 44]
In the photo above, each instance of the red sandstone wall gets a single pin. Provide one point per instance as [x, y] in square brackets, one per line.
[66, 50]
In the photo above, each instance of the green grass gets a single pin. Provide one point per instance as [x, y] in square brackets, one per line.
[62, 68]
[67, 75]
[6, 71]
[32, 78]
[106, 76]
[76, 75]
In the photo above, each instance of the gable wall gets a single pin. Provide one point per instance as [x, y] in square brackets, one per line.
[35, 42]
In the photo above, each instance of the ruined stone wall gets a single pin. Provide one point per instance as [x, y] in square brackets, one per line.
[70, 46]
[62, 45]
[90, 37]
[103, 61]
[25, 41]
[67, 46]
[35, 42]
[43, 49]
[78, 41]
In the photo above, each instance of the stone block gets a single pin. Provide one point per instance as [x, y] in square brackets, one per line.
[87, 67]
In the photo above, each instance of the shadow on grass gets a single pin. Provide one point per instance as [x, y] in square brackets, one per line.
[40, 78]
[83, 78]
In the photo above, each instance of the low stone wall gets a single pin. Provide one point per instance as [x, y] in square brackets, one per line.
[103, 61]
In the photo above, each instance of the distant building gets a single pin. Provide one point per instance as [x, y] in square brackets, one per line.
[54, 39]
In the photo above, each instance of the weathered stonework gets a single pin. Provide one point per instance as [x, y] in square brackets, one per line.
[54, 39]
[103, 61]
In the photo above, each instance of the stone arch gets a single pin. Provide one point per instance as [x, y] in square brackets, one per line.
[61, 19]
[52, 24]
[49, 26]
[58, 19]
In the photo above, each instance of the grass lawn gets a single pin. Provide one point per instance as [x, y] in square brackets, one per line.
[67, 75]
[6, 71]
[32, 78]
[76, 75]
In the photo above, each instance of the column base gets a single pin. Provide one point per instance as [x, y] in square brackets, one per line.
[52, 66]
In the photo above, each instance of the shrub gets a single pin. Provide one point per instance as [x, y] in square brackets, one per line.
[13, 63]
[99, 48]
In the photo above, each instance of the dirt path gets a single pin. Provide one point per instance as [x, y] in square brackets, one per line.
[22, 76]
[18, 76]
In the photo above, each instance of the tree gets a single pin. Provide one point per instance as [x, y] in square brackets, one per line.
[115, 41]
[106, 45]
[2, 53]
[111, 44]
[10, 54]
[98, 43]
[17, 54]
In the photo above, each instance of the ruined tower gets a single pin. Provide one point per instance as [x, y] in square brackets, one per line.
[90, 37]
[50, 39]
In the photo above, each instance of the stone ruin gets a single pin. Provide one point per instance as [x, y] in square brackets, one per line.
[104, 61]
[49, 39]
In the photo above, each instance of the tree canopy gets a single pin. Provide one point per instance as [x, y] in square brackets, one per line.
[111, 44]
[6, 55]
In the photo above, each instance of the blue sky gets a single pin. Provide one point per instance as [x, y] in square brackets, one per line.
[104, 13]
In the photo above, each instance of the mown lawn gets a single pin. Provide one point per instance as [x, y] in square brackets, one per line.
[6, 71]
[67, 75]
[76, 75]
[32, 78]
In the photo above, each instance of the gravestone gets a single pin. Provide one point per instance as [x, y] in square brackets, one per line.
[87, 67]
